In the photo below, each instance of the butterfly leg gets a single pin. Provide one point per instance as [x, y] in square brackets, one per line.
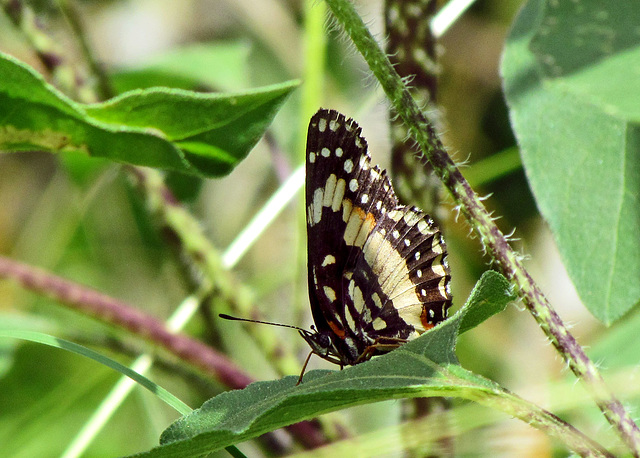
[383, 344]
[304, 368]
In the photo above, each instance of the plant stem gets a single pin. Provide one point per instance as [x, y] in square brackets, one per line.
[494, 242]
[109, 310]
[70, 10]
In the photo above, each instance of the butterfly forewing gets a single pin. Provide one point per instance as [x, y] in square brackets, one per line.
[378, 274]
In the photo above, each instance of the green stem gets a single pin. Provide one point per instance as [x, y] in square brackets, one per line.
[70, 11]
[507, 260]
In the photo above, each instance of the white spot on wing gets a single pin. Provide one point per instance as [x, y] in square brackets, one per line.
[351, 323]
[330, 293]
[376, 300]
[395, 215]
[347, 205]
[358, 298]
[438, 269]
[424, 227]
[338, 195]
[348, 166]
[318, 195]
[339, 152]
[328, 259]
[436, 246]
[411, 218]
[329, 190]
[325, 152]
[443, 288]
[352, 229]
[379, 324]
[322, 125]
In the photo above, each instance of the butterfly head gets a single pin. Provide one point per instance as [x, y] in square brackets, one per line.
[321, 345]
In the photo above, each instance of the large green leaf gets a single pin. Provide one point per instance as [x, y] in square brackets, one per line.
[572, 85]
[426, 366]
[189, 132]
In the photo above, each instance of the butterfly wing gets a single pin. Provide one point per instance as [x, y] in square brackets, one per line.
[376, 269]
[334, 146]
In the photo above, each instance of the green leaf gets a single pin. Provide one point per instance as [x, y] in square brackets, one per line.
[490, 296]
[173, 129]
[571, 82]
[426, 366]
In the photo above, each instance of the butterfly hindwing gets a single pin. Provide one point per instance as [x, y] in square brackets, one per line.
[377, 270]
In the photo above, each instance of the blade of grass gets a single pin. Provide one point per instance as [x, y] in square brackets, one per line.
[132, 375]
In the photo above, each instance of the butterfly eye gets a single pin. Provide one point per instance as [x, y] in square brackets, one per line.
[323, 340]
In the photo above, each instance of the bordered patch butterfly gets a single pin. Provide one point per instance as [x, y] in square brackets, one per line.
[378, 274]
[377, 270]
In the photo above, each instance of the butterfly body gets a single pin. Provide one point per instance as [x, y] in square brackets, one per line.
[378, 274]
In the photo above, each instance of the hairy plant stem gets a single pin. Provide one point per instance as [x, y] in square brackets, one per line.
[494, 242]
[109, 310]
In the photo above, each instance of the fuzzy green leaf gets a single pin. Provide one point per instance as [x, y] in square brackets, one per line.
[490, 296]
[173, 129]
[571, 82]
[426, 366]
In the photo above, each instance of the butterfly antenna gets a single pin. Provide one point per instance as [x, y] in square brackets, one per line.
[234, 318]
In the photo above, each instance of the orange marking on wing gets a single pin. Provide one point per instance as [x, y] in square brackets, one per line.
[371, 220]
[337, 330]
[425, 320]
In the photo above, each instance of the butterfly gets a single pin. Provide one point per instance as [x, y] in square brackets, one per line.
[377, 270]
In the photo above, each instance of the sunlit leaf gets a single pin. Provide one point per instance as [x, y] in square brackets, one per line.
[173, 129]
